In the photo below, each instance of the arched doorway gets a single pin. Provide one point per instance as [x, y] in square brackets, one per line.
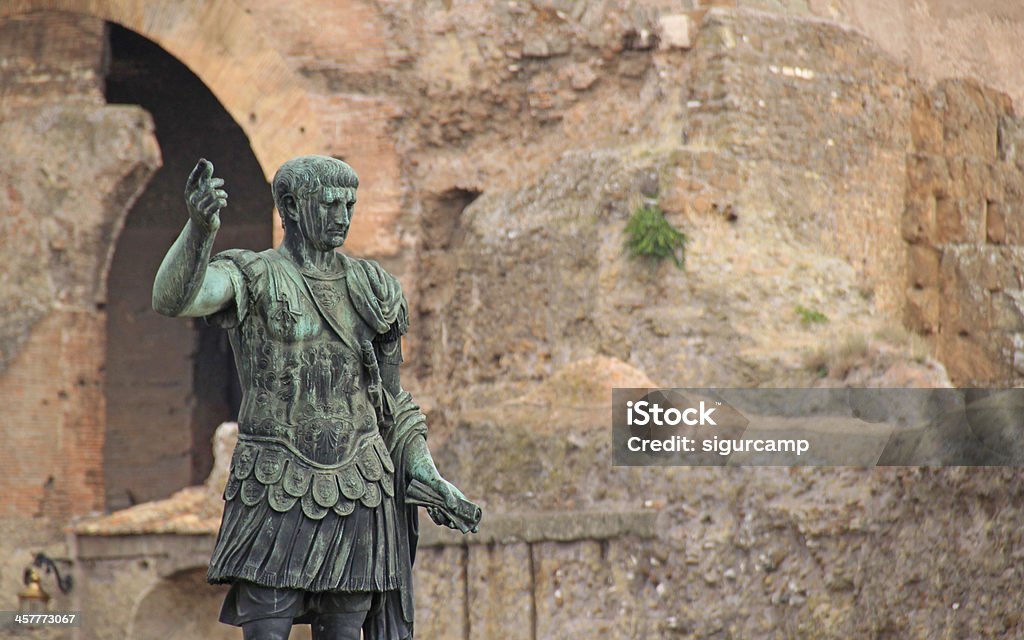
[170, 382]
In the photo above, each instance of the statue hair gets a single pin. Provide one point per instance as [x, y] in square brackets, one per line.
[304, 176]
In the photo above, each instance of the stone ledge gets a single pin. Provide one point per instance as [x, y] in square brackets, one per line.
[497, 529]
[547, 527]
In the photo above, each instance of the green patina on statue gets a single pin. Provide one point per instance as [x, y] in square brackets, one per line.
[320, 521]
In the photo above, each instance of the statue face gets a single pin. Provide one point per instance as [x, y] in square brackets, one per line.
[325, 219]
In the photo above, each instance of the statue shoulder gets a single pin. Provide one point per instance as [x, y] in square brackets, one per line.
[251, 264]
[374, 273]
[378, 295]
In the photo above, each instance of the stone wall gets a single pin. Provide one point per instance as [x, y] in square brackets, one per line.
[964, 202]
[818, 118]
[51, 57]
[789, 177]
[748, 553]
[518, 581]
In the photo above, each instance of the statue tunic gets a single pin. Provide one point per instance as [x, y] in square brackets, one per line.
[309, 503]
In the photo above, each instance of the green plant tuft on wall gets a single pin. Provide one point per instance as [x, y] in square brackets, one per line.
[810, 316]
[650, 235]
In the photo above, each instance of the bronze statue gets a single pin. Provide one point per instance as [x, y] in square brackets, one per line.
[320, 521]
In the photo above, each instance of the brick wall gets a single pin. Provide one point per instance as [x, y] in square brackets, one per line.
[69, 168]
[48, 56]
[68, 171]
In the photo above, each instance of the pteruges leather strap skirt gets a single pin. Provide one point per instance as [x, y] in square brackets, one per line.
[290, 550]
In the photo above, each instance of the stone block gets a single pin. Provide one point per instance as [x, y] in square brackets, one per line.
[995, 223]
[918, 222]
[500, 591]
[577, 593]
[996, 176]
[948, 225]
[925, 124]
[997, 268]
[1011, 178]
[440, 592]
[1011, 139]
[1008, 310]
[927, 175]
[972, 177]
[676, 31]
[964, 300]
[921, 312]
[973, 359]
[923, 266]
[960, 220]
[971, 118]
[1011, 213]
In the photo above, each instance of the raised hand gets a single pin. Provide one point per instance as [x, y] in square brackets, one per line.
[204, 196]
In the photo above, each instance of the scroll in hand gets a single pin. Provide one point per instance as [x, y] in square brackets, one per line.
[465, 516]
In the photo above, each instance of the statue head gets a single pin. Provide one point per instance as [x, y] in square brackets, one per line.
[316, 196]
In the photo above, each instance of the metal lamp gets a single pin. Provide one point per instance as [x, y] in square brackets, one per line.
[33, 598]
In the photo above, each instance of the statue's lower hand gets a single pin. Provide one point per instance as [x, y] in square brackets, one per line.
[423, 470]
[204, 197]
[451, 495]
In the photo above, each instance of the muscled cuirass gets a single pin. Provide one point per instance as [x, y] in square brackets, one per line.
[311, 387]
[305, 373]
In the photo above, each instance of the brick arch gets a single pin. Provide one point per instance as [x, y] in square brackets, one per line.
[224, 47]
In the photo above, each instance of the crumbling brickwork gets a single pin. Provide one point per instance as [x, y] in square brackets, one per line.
[70, 166]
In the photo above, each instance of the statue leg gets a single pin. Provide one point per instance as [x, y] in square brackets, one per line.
[340, 615]
[264, 613]
[338, 626]
[267, 629]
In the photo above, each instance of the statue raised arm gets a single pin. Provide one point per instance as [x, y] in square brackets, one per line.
[182, 286]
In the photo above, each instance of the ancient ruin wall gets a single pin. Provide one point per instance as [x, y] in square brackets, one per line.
[70, 167]
[964, 201]
[818, 118]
